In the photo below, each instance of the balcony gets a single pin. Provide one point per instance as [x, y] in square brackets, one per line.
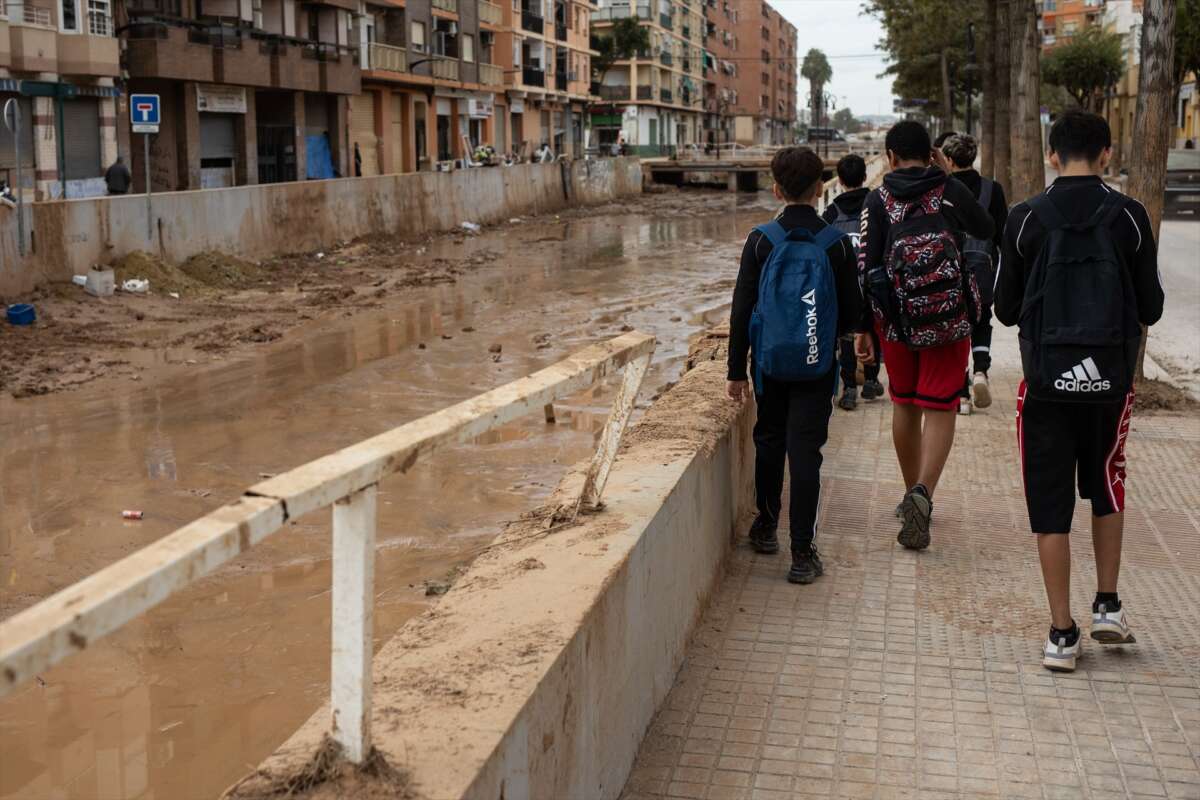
[154, 8]
[450, 6]
[560, 81]
[560, 31]
[388, 58]
[337, 67]
[614, 93]
[490, 14]
[443, 68]
[289, 67]
[532, 76]
[532, 21]
[666, 58]
[33, 39]
[88, 53]
[5, 54]
[686, 31]
[491, 75]
[622, 12]
[666, 21]
[686, 65]
[158, 50]
[665, 95]
[645, 93]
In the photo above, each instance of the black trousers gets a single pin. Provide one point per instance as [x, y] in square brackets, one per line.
[981, 342]
[793, 424]
[849, 362]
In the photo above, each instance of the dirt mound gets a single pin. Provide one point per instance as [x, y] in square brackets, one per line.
[1150, 395]
[221, 271]
[163, 277]
[327, 776]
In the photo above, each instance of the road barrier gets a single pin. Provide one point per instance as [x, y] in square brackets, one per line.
[69, 621]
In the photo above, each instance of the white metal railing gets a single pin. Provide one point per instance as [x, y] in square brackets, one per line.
[32, 15]
[74, 618]
[491, 75]
[388, 57]
[489, 13]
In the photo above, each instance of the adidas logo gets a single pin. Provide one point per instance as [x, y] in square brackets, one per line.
[814, 349]
[1083, 377]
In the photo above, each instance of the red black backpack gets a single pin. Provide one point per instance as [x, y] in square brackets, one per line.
[925, 297]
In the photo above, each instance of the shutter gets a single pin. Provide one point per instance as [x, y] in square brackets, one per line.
[81, 138]
[398, 132]
[362, 131]
[216, 136]
[7, 149]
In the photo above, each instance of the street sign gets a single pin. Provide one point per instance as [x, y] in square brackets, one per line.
[144, 113]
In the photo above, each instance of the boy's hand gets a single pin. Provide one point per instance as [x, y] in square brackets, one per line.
[737, 390]
[864, 348]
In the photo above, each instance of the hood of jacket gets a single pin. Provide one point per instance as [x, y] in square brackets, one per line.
[912, 182]
[851, 202]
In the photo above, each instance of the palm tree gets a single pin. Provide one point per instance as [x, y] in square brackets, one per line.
[817, 72]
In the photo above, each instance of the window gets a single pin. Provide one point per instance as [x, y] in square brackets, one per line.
[468, 48]
[70, 16]
[1050, 5]
[99, 18]
[417, 43]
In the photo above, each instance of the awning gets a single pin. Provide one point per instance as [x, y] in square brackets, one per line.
[8, 85]
[52, 89]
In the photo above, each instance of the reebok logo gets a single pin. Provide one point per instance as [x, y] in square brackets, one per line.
[1083, 377]
[810, 319]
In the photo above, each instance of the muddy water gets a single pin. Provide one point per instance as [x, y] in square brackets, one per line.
[183, 700]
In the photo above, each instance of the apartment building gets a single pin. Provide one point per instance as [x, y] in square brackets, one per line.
[765, 83]
[655, 101]
[59, 62]
[1062, 19]
[720, 71]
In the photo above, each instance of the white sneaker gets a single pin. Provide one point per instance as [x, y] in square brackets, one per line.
[1060, 656]
[1110, 627]
[981, 391]
[964, 406]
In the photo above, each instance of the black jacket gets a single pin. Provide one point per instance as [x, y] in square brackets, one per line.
[959, 207]
[998, 206]
[745, 294]
[1077, 199]
[850, 202]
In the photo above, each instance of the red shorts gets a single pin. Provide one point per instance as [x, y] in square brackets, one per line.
[930, 378]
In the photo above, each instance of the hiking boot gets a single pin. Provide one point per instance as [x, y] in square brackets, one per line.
[806, 565]
[1061, 650]
[981, 391]
[1110, 627]
[915, 513]
[871, 390]
[763, 537]
[849, 400]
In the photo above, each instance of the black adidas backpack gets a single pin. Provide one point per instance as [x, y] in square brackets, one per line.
[979, 255]
[1079, 328]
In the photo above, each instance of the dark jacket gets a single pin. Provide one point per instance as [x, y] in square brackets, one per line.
[998, 207]
[745, 294]
[959, 207]
[117, 179]
[850, 202]
[1077, 199]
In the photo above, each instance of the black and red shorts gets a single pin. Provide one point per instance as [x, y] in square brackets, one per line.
[1067, 443]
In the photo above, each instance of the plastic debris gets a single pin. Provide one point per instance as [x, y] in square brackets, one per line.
[471, 227]
[173, 295]
[79, 280]
[320, 255]
[132, 514]
[136, 286]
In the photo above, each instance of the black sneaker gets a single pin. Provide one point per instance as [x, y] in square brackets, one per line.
[762, 535]
[849, 400]
[915, 513]
[806, 566]
[871, 390]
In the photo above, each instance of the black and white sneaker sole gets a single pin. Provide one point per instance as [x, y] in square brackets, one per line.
[914, 527]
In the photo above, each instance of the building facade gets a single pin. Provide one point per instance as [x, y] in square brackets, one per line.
[765, 83]
[59, 63]
[1060, 20]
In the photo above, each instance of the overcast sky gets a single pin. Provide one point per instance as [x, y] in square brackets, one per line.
[846, 34]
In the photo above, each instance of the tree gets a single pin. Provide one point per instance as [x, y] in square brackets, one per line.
[1002, 148]
[1153, 119]
[987, 117]
[1086, 66]
[1028, 169]
[817, 72]
[1187, 40]
[844, 120]
[624, 39]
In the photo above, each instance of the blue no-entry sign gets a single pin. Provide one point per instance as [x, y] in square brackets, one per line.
[144, 113]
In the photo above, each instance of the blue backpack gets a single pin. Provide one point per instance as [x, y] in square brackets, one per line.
[793, 330]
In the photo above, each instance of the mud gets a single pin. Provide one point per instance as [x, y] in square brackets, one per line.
[1159, 396]
[177, 412]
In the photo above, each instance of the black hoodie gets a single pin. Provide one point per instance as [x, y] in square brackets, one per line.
[959, 207]
[850, 203]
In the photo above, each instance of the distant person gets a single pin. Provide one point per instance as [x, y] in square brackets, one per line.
[982, 256]
[844, 213]
[1079, 257]
[117, 178]
[910, 229]
[1189, 145]
[793, 350]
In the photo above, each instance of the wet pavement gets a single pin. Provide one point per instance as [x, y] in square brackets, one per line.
[185, 699]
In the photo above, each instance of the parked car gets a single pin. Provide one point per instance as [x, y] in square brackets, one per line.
[1183, 182]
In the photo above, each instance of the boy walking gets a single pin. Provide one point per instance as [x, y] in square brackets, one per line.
[1078, 272]
[922, 307]
[981, 256]
[796, 292]
[844, 213]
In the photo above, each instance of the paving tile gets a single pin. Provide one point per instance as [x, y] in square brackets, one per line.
[888, 678]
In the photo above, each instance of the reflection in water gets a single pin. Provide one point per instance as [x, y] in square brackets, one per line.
[183, 700]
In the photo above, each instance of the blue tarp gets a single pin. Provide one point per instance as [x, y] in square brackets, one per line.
[320, 161]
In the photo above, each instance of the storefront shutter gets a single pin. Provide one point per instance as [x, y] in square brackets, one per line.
[81, 138]
[216, 136]
[362, 131]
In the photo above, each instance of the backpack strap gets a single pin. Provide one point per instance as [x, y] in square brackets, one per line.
[827, 237]
[774, 232]
[985, 192]
[1106, 214]
[1047, 213]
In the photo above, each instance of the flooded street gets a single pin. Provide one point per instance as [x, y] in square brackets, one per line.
[187, 698]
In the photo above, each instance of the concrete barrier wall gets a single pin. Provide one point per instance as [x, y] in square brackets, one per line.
[539, 673]
[69, 236]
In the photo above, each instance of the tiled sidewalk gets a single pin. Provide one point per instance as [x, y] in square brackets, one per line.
[917, 675]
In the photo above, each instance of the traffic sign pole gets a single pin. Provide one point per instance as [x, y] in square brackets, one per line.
[146, 169]
[13, 109]
[144, 114]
